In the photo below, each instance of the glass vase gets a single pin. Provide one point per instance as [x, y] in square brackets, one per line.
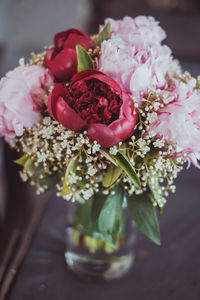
[90, 257]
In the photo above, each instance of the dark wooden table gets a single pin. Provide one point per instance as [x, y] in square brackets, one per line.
[171, 271]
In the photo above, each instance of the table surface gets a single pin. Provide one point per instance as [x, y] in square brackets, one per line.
[171, 271]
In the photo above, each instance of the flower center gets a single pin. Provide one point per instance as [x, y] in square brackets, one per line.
[94, 101]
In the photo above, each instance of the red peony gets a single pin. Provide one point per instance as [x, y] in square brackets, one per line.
[95, 103]
[61, 59]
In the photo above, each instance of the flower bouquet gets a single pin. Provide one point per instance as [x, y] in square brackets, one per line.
[109, 120]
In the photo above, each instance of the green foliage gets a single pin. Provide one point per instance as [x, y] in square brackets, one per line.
[103, 35]
[122, 161]
[108, 156]
[93, 244]
[87, 214]
[41, 180]
[112, 174]
[144, 214]
[70, 168]
[111, 216]
[102, 217]
[85, 61]
[29, 166]
[22, 160]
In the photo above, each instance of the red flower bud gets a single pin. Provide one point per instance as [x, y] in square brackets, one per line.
[61, 59]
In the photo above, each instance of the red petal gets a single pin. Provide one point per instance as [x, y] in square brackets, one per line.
[49, 56]
[64, 65]
[118, 130]
[58, 91]
[67, 116]
[60, 37]
[102, 134]
[88, 74]
[127, 108]
[71, 42]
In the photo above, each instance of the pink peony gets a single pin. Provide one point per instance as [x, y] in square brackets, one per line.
[179, 120]
[21, 94]
[146, 28]
[134, 56]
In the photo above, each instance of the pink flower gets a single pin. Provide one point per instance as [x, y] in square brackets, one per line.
[179, 120]
[21, 95]
[134, 56]
[146, 28]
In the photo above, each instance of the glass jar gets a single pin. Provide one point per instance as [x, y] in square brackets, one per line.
[91, 257]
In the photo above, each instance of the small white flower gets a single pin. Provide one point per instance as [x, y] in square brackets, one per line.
[73, 178]
[152, 117]
[152, 134]
[156, 105]
[23, 176]
[92, 171]
[141, 143]
[95, 148]
[159, 164]
[88, 193]
[159, 143]
[113, 150]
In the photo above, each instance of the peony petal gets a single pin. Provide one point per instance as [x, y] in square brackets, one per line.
[64, 65]
[103, 135]
[61, 37]
[118, 130]
[141, 78]
[83, 41]
[88, 74]
[49, 56]
[67, 116]
[58, 91]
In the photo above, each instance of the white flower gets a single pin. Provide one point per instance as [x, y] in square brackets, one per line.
[152, 117]
[91, 171]
[88, 193]
[73, 178]
[141, 143]
[113, 150]
[159, 143]
[95, 148]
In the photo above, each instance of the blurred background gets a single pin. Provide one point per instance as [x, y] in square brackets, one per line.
[28, 25]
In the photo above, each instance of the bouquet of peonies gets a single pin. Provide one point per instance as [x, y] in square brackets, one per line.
[108, 119]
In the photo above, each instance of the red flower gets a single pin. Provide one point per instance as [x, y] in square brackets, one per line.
[61, 59]
[95, 103]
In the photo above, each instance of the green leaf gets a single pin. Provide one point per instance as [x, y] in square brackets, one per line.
[108, 156]
[70, 168]
[85, 61]
[29, 166]
[65, 189]
[122, 161]
[111, 216]
[111, 176]
[144, 214]
[87, 213]
[103, 35]
[22, 160]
